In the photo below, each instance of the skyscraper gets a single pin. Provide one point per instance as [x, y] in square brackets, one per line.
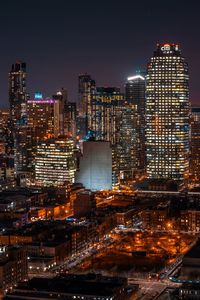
[167, 114]
[45, 119]
[86, 87]
[55, 162]
[61, 97]
[195, 145]
[18, 117]
[105, 108]
[128, 146]
[135, 98]
[17, 92]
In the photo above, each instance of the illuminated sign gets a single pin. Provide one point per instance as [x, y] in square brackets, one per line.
[38, 95]
[44, 101]
[166, 47]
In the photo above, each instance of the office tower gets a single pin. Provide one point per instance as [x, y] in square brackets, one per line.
[17, 93]
[106, 105]
[18, 118]
[61, 97]
[45, 116]
[135, 91]
[86, 87]
[195, 145]
[45, 120]
[95, 171]
[55, 162]
[167, 114]
[71, 118]
[135, 98]
[128, 145]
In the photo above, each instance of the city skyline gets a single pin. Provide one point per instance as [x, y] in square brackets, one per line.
[99, 150]
[58, 41]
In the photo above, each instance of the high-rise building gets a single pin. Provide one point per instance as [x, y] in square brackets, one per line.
[195, 145]
[95, 171]
[128, 144]
[106, 105]
[61, 97]
[55, 162]
[71, 118]
[86, 87]
[17, 93]
[18, 114]
[135, 91]
[135, 98]
[167, 114]
[44, 120]
[45, 117]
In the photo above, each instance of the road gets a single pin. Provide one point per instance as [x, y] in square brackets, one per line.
[76, 259]
[151, 289]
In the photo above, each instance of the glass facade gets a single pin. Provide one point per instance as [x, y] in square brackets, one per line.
[167, 114]
[55, 162]
[195, 145]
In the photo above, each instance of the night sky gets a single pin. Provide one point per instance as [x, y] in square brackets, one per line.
[110, 40]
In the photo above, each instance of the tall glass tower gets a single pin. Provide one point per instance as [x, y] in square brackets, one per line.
[17, 93]
[167, 114]
[135, 95]
[18, 114]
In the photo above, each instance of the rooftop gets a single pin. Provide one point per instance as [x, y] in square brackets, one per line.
[90, 284]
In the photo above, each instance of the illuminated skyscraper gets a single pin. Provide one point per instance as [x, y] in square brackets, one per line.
[106, 104]
[55, 162]
[17, 93]
[167, 114]
[135, 97]
[128, 146]
[71, 118]
[106, 108]
[61, 97]
[195, 145]
[18, 117]
[85, 88]
[45, 119]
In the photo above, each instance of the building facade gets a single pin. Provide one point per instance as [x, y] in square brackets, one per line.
[95, 171]
[135, 96]
[18, 114]
[55, 162]
[86, 87]
[167, 114]
[195, 145]
[106, 106]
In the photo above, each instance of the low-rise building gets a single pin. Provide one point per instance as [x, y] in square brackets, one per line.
[83, 203]
[88, 287]
[13, 266]
[190, 220]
